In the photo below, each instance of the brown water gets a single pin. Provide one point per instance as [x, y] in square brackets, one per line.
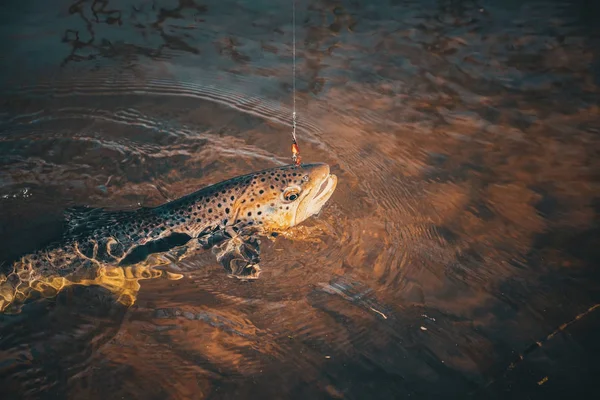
[464, 229]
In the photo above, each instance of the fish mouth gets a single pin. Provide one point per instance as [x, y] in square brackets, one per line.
[319, 189]
[320, 197]
[326, 189]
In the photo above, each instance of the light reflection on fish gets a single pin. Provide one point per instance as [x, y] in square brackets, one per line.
[226, 216]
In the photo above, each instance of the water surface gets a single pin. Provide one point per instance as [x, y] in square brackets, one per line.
[463, 231]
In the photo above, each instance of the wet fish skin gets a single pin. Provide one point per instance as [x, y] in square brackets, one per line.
[258, 203]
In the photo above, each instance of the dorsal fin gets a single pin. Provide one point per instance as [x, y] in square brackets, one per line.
[78, 218]
[80, 215]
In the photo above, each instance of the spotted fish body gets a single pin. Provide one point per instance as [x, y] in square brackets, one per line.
[266, 201]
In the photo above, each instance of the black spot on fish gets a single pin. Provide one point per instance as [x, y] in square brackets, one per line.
[259, 213]
[219, 205]
[262, 179]
[227, 211]
[232, 198]
[249, 213]
[209, 210]
[261, 191]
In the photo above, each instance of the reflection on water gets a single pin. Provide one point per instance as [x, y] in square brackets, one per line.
[122, 282]
[464, 228]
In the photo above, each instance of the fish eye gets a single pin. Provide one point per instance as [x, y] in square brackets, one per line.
[305, 178]
[291, 194]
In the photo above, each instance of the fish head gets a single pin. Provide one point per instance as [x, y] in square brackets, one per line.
[280, 198]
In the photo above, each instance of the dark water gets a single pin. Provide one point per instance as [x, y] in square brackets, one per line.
[464, 229]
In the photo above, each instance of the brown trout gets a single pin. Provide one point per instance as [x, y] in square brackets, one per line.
[228, 214]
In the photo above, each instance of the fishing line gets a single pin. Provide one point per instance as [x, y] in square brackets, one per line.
[537, 344]
[295, 149]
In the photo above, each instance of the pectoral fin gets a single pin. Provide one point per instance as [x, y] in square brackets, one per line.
[240, 256]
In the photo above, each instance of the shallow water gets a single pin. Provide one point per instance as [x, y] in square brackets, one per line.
[464, 228]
